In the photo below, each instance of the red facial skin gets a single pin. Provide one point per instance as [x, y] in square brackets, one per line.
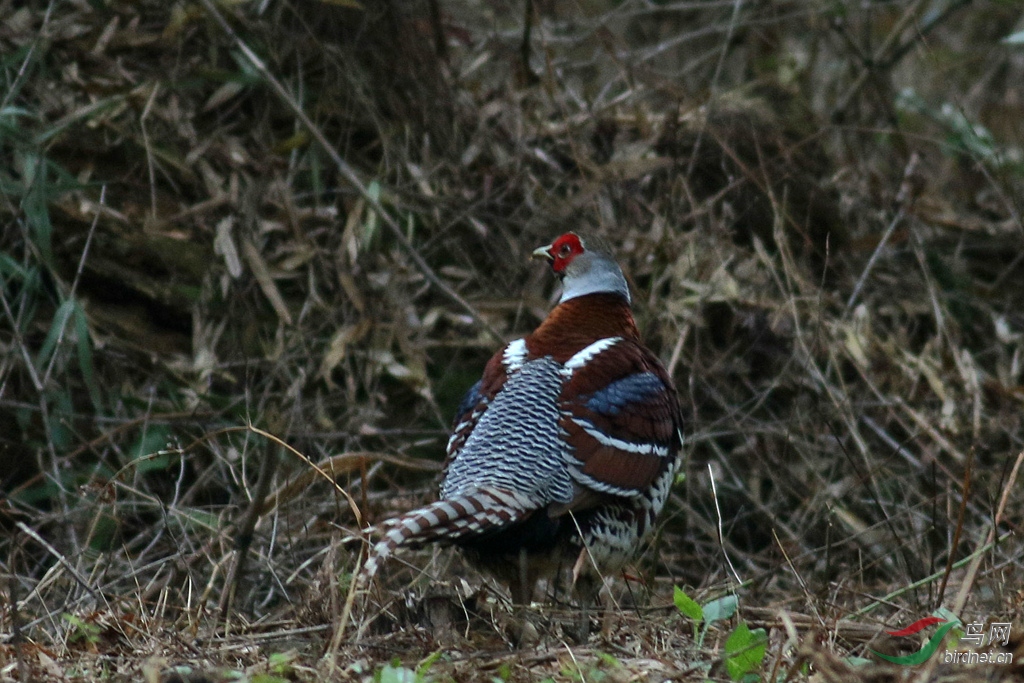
[564, 250]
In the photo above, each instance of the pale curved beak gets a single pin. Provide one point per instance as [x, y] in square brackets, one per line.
[543, 252]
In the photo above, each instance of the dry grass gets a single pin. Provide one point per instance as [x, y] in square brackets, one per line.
[241, 302]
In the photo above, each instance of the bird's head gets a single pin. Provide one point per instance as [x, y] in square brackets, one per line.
[583, 269]
[562, 252]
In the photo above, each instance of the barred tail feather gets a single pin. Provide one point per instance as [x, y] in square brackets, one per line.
[468, 514]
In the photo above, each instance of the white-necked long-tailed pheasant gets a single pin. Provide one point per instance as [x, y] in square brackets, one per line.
[563, 454]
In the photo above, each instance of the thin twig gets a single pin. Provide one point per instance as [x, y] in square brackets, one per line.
[245, 528]
[990, 540]
[40, 37]
[713, 85]
[75, 281]
[721, 536]
[921, 33]
[964, 497]
[973, 559]
[904, 199]
[17, 639]
[878, 59]
[799, 578]
[63, 562]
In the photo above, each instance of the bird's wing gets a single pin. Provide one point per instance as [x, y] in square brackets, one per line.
[620, 417]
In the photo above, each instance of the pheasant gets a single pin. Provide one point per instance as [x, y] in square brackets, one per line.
[562, 455]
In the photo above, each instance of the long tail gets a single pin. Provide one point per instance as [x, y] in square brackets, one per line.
[468, 514]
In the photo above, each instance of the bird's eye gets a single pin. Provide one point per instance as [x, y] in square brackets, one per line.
[565, 250]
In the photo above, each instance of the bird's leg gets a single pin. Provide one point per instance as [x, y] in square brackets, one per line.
[587, 589]
[521, 587]
[582, 588]
[525, 596]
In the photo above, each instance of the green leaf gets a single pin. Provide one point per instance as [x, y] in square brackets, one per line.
[9, 114]
[80, 115]
[722, 608]
[28, 294]
[11, 268]
[744, 650]
[504, 673]
[397, 674]
[103, 532]
[61, 410]
[281, 662]
[36, 495]
[687, 606]
[424, 667]
[85, 356]
[35, 203]
[83, 630]
[197, 519]
[60, 320]
[147, 453]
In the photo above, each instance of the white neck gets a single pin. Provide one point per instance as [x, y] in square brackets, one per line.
[593, 274]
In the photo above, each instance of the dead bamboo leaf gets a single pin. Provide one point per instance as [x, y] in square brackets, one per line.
[348, 283]
[265, 281]
[224, 245]
[336, 350]
[222, 94]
